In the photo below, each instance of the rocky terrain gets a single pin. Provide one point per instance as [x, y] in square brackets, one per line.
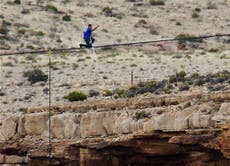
[164, 103]
[144, 130]
[35, 25]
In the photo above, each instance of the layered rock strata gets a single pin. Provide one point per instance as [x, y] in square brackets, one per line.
[189, 129]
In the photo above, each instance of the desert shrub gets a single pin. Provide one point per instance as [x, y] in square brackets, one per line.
[187, 37]
[195, 15]
[30, 47]
[223, 76]
[66, 18]
[76, 96]
[18, 2]
[52, 8]
[6, 23]
[121, 93]
[211, 5]
[200, 81]
[31, 58]
[133, 65]
[22, 31]
[195, 76]
[4, 30]
[181, 74]
[89, 15]
[150, 86]
[153, 30]
[133, 90]
[107, 11]
[184, 86]
[10, 64]
[172, 78]
[35, 75]
[157, 2]
[167, 88]
[197, 10]
[2, 93]
[25, 11]
[141, 115]
[107, 92]
[38, 33]
[93, 93]
[178, 24]
[58, 40]
[118, 15]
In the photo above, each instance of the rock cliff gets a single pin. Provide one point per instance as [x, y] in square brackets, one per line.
[189, 128]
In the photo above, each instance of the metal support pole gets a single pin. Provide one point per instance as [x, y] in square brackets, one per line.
[131, 77]
[50, 53]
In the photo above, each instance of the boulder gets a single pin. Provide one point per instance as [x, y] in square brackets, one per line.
[36, 123]
[224, 141]
[199, 120]
[97, 124]
[15, 159]
[225, 109]
[8, 126]
[222, 116]
[149, 125]
[220, 96]
[177, 121]
[65, 126]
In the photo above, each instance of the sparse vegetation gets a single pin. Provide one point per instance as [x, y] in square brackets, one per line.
[184, 86]
[107, 92]
[157, 2]
[25, 11]
[2, 93]
[22, 31]
[187, 37]
[107, 11]
[178, 24]
[195, 15]
[122, 93]
[141, 115]
[6, 23]
[197, 10]
[18, 2]
[66, 18]
[52, 8]
[133, 65]
[4, 30]
[37, 33]
[93, 93]
[35, 75]
[76, 96]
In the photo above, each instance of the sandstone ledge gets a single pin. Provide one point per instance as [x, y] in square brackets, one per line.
[192, 125]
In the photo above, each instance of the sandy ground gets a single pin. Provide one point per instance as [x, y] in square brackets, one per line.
[108, 69]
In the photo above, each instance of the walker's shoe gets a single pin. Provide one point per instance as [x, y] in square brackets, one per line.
[81, 45]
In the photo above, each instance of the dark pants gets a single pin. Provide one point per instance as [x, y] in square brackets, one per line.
[88, 43]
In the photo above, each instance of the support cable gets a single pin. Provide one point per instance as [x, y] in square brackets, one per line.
[74, 49]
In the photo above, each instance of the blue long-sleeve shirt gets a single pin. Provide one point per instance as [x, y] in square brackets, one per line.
[87, 33]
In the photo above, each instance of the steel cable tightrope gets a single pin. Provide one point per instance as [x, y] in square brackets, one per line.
[74, 49]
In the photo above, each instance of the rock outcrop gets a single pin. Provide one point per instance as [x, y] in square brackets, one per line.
[181, 127]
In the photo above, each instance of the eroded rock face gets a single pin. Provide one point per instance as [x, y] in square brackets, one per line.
[36, 124]
[8, 126]
[225, 109]
[97, 124]
[225, 141]
[65, 126]
[136, 128]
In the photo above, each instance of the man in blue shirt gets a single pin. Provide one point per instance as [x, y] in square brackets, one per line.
[89, 40]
